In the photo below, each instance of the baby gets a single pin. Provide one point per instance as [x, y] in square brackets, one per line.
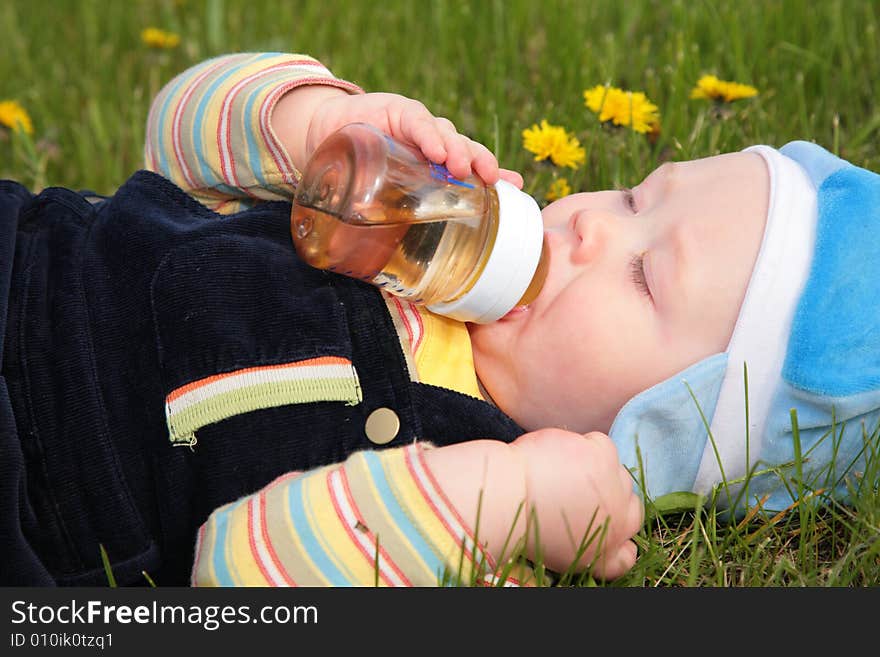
[656, 299]
[278, 378]
[663, 294]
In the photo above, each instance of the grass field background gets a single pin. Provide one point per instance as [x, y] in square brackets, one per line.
[494, 67]
[81, 71]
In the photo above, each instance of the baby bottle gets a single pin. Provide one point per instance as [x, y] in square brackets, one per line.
[375, 209]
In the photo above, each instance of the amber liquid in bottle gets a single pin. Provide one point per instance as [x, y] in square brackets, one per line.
[387, 220]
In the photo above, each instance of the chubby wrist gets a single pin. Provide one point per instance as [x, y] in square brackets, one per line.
[485, 481]
[293, 114]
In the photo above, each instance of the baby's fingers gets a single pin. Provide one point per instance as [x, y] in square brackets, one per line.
[465, 156]
[440, 142]
[614, 563]
[421, 130]
[618, 561]
[483, 162]
[634, 515]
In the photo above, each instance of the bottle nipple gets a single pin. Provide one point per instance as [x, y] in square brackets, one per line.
[537, 283]
[516, 267]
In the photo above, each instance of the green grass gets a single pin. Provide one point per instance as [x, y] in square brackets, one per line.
[495, 67]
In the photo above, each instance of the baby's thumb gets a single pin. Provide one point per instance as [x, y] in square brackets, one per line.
[513, 177]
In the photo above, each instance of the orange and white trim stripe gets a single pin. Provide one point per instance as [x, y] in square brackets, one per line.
[221, 396]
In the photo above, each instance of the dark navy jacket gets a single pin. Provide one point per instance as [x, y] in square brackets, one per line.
[105, 307]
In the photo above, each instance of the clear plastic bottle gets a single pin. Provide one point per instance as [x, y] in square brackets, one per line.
[374, 209]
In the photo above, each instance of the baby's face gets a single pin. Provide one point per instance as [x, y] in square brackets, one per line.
[640, 286]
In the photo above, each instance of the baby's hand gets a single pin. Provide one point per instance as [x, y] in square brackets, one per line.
[580, 493]
[409, 121]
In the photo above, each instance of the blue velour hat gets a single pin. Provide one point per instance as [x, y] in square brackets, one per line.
[807, 342]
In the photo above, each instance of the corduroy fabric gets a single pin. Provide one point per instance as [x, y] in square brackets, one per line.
[115, 305]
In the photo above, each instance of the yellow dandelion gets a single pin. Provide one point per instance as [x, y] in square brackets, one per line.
[15, 117]
[630, 108]
[711, 88]
[553, 142]
[159, 39]
[558, 189]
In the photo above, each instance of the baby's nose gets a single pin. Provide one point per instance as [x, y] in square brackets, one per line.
[594, 228]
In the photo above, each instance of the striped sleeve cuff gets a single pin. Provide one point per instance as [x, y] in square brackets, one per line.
[209, 129]
[379, 519]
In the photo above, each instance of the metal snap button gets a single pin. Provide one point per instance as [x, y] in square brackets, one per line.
[382, 426]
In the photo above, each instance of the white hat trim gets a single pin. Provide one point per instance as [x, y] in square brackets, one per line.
[762, 330]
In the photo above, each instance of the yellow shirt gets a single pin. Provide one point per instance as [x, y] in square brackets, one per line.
[437, 349]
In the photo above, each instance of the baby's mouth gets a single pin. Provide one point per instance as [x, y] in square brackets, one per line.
[515, 311]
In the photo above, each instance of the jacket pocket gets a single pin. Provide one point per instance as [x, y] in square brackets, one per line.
[243, 326]
[222, 396]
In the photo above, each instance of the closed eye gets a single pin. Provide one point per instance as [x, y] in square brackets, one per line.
[629, 200]
[637, 273]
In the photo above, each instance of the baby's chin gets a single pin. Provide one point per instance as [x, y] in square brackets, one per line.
[480, 332]
[491, 344]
